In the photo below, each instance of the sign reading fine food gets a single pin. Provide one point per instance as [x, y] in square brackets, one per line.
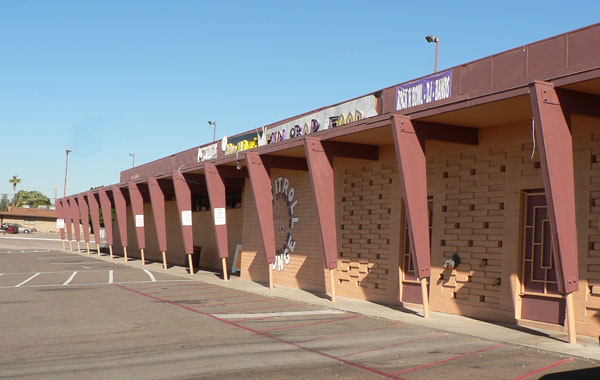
[426, 90]
[285, 221]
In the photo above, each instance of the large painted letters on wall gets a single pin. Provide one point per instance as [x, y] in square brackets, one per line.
[285, 220]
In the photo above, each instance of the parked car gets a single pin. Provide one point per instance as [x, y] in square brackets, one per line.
[22, 229]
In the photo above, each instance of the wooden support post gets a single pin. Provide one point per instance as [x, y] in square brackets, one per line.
[143, 258]
[70, 245]
[332, 284]
[270, 276]
[224, 260]
[110, 250]
[87, 245]
[125, 252]
[64, 246]
[164, 260]
[571, 319]
[98, 248]
[78, 247]
[191, 264]
[425, 297]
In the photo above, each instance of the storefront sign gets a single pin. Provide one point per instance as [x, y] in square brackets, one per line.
[139, 220]
[239, 143]
[284, 195]
[430, 89]
[207, 152]
[332, 117]
[186, 218]
[60, 223]
[219, 213]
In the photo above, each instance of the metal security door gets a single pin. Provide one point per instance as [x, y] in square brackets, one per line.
[411, 286]
[541, 298]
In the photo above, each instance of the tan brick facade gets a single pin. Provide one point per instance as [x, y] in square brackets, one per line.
[305, 268]
[204, 236]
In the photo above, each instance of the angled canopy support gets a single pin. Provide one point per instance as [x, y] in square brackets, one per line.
[410, 158]
[263, 198]
[121, 211]
[61, 220]
[95, 212]
[216, 194]
[74, 207]
[320, 167]
[184, 205]
[556, 158]
[321, 175]
[215, 183]
[260, 180]
[137, 206]
[413, 176]
[107, 216]
[85, 219]
[157, 199]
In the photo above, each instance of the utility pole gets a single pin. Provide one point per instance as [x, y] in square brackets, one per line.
[66, 170]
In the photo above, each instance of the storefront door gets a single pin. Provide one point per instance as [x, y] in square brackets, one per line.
[411, 287]
[541, 299]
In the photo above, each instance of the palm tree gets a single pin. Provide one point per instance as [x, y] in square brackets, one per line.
[14, 182]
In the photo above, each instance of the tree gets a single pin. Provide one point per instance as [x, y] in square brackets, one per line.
[4, 203]
[15, 180]
[31, 198]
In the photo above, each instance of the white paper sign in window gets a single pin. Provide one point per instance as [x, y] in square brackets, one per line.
[219, 216]
[60, 223]
[186, 217]
[139, 220]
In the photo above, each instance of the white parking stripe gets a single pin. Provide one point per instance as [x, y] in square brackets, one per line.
[91, 284]
[29, 279]
[80, 262]
[22, 238]
[150, 275]
[70, 278]
[280, 314]
[34, 251]
[110, 277]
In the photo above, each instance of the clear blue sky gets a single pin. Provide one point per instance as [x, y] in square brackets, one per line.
[106, 78]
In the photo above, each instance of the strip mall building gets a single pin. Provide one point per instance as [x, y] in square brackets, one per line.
[478, 187]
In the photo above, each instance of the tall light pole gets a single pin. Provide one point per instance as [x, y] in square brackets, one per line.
[66, 171]
[215, 129]
[133, 161]
[435, 39]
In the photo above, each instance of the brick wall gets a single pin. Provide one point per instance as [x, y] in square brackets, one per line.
[204, 236]
[586, 146]
[305, 269]
[368, 207]
[477, 214]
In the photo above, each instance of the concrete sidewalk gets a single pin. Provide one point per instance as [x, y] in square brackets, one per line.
[552, 341]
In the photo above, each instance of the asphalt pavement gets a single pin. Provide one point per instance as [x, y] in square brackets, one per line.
[70, 316]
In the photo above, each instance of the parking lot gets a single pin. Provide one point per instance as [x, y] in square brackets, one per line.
[70, 316]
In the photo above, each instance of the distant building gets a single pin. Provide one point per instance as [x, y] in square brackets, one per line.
[40, 219]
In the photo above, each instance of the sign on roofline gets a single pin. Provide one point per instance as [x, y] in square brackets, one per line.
[425, 90]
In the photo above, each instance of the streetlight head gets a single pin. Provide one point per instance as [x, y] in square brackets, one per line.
[132, 154]
[68, 151]
[212, 122]
[431, 38]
